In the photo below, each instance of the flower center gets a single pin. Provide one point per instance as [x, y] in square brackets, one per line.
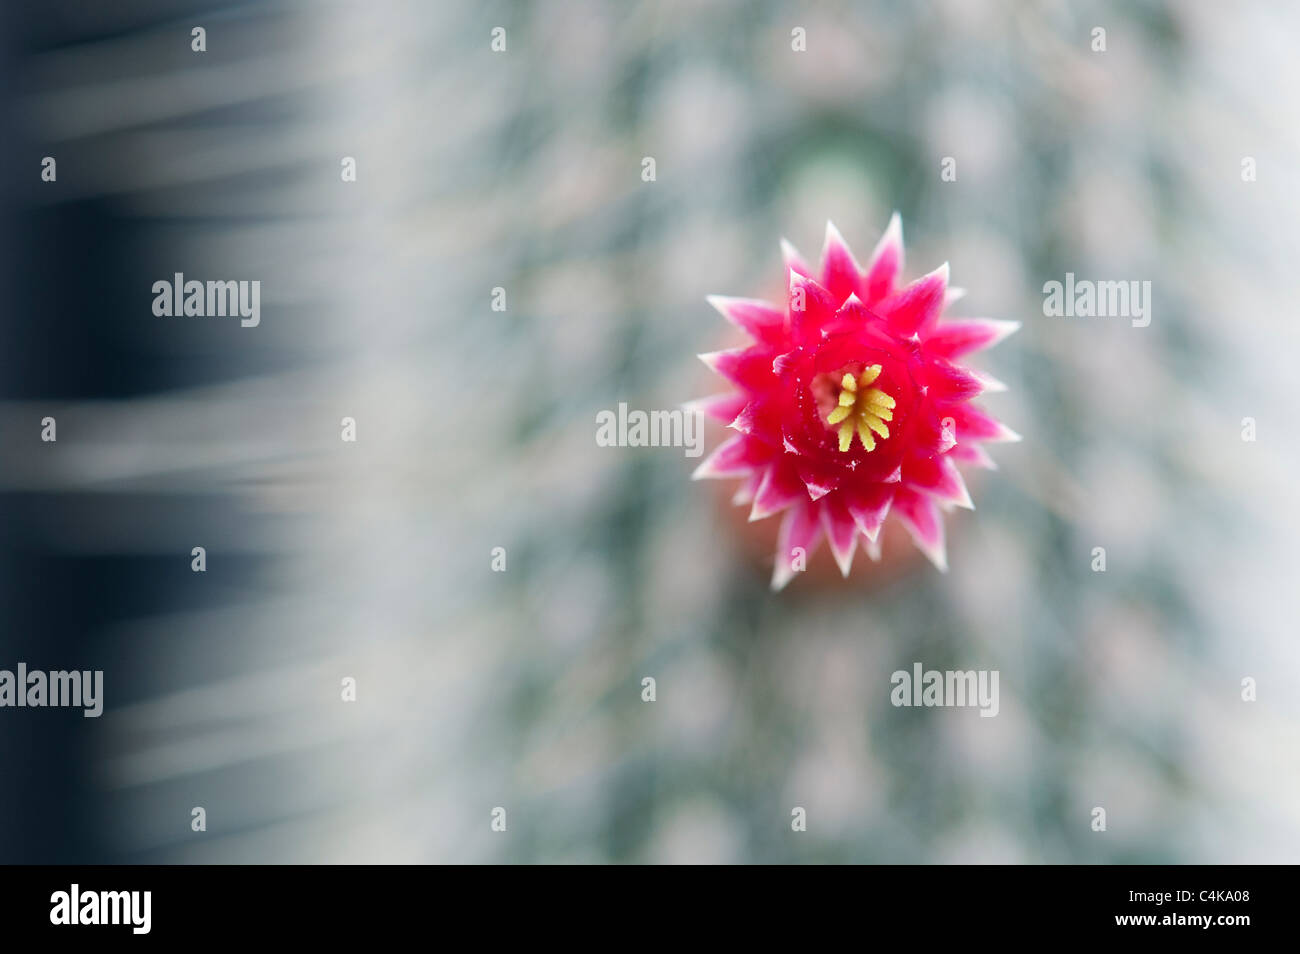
[861, 409]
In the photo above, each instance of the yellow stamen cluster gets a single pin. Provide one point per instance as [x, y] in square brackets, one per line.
[862, 409]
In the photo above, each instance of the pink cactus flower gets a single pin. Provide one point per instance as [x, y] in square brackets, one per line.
[851, 404]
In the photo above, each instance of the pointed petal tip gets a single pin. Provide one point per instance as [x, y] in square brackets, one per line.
[1005, 330]
[731, 458]
[758, 512]
[744, 494]
[697, 405]
[793, 260]
[937, 554]
[816, 492]
[892, 237]
[708, 470]
[991, 384]
[1002, 330]
[711, 359]
[968, 453]
[834, 238]
[959, 494]
[844, 557]
[841, 534]
[723, 302]
[812, 286]
[782, 573]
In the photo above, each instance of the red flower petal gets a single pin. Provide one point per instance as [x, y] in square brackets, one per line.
[720, 407]
[779, 488]
[956, 337]
[758, 319]
[758, 421]
[972, 424]
[938, 477]
[793, 260]
[886, 262]
[745, 492]
[920, 515]
[801, 529]
[841, 532]
[946, 382]
[734, 457]
[810, 306]
[917, 305]
[974, 455]
[819, 480]
[932, 433]
[840, 273]
[750, 368]
[869, 507]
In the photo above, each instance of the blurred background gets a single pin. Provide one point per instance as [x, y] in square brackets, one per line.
[522, 169]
